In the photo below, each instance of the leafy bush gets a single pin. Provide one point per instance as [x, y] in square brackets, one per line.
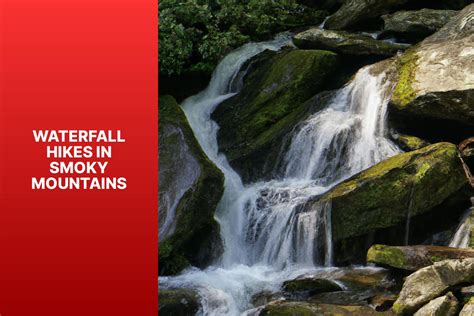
[195, 34]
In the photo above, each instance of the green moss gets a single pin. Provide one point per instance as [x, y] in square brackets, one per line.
[387, 255]
[404, 92]
[272, 100]
[381, 196]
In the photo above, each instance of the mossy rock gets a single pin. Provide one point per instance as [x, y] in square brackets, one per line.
[412, 258]
[286, 308]
[307, 287]
[415, 25]
[355, 14]
[190, 186]
[434, 93]
[179, 302]
[272, 101]
[383, 196]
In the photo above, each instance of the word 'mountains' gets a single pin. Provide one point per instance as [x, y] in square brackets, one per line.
[91, 173]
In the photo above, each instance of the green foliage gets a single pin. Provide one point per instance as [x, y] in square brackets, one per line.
[195, 34]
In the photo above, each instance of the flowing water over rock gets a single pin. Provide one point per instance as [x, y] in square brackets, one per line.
[269, 232]
[461, 238]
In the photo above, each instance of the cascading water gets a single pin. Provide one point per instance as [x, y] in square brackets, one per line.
[270, 233]
[463, 232]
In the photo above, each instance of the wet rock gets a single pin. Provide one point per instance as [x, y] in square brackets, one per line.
[466, 147]
[355, 298]
[285, 308]
[436, 82]
[415, 25]
[468, 309]
[409, 143]
[264, 298]
[428, 283]
[190, 188]
[412, 258]
[465, 294]
[380, 197]
[460, 26]
[353, 13]
[180, 302]
[301, 288]
[342, 42]
[368, 278]
[443, 306]
[272, 101]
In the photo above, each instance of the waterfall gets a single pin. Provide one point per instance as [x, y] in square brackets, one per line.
[270, 231]
[463, 232]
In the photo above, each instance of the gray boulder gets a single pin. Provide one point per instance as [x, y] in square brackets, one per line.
[346, 43]
[431, 282]
[442, 306]
[468, 309]
[354, 12]
[415, 25]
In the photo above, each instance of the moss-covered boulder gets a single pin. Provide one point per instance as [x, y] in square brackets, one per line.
[378, 201]
[342, 42]
[179, 302]
[190, 186]
[429, 283]
[253, 123]
[435, 85]
[286, 308]
[412, 258]
[414, 26]
[306, 287]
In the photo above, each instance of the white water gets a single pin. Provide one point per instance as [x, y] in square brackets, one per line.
[463, 232]
[270, 233]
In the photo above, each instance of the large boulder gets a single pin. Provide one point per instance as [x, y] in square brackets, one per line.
[272, 101]
[377, 202]
[435, 84]
[446, 305]
[468, 309]
[190, 186]
[355, 12]
[413, 258]
[287, 308]
[179, 302]
[408, 142]
[414, 26]
[342, 42]
[429, 283]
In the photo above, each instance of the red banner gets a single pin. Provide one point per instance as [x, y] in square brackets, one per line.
[78, 65]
